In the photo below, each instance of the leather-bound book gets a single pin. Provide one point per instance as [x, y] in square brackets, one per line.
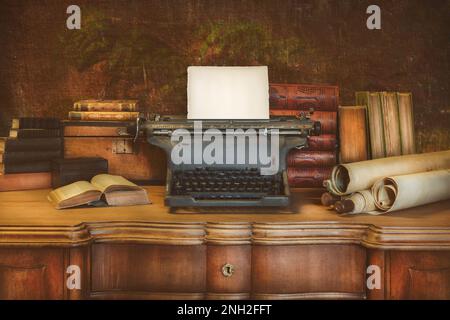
[308, 177]
[96, 128]
[25, 167]
[303, 97]
[34, 133]
[66, 171]
[391, 124]
[25, 181]
[106, 105]
[372, 101]
[327, 119]
[11, 144]
[352, 133]
[323, 142]
[103, 116]
[300, 158]
[35, 123]
[405, 111]
[25, 156]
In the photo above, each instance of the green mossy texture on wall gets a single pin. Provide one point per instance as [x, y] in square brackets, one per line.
[141, 49]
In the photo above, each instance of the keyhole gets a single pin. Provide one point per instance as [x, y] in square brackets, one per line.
[227, 270]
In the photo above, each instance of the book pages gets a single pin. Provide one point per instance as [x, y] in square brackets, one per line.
[406, 191]
[228, 93]
[357, 176]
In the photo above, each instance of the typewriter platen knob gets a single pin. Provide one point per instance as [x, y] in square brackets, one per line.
[317, 128]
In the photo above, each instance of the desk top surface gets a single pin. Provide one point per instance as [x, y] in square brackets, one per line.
[31, 208]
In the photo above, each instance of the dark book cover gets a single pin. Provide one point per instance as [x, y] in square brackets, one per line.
[35, 123]
[34, 133]
[66, 171]
[13, 144]
[324, 142]
[308, 177]
[25, 167]
[24, 156]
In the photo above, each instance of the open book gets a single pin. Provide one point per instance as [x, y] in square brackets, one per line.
[117, 191]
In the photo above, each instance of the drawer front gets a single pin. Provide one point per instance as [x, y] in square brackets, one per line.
[32, 274]
[308, 271]
[137, 269]
[419, 275]
[229, 271]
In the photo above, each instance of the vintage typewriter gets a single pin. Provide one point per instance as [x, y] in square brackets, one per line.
[234, 180]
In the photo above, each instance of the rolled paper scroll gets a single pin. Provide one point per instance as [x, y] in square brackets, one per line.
[358, 202]
[411, 190]
[357, 176]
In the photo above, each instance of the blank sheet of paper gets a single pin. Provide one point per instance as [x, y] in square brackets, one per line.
[228, 93]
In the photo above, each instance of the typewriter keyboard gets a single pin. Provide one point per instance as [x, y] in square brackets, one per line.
[223, 184]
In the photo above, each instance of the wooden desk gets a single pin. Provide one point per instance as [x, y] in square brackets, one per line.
[147, 252]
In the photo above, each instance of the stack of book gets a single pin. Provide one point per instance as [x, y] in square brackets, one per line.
[308, 167]
[105, 110]
[26, 155]
[390, 123]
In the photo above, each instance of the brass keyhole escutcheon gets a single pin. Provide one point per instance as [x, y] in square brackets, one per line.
[227, 270]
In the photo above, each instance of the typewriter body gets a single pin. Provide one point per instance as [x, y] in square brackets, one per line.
[227, 162]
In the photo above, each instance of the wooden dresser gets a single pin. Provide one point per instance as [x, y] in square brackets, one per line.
[147, 252]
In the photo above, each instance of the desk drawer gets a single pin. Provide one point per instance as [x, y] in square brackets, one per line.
[134, 270]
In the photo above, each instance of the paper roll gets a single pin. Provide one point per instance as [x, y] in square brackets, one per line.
[357, 176]
[411, 190]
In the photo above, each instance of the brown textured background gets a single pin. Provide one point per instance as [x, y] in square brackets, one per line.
[331, 43]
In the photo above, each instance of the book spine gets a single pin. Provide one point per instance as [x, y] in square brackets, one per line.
[372, 101]
[308, 177]
[105, 106]
[23, 156]
[26, 167]
[94, 131]
[35, 123]
[112, 116]
[327, 119]
[39, 144]
[391, 124]
[34, 133]
[353, 134]
[25, 181]
[303, 97]
[405, 109]
[300, 158]
[324, 142]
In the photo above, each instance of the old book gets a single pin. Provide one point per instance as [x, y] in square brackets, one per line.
[106, 105]
[372, 101]
[35, 123]
[405, 111]
[308, 177]
[352, 133]
[303, 97]
[327, 119]
[323, 142]
[14, 144]
[24, 156]
[300, 158]
[25, 167]
[25, 181]
[66, 171]
[34, 133]
[96, 129]
[391, 124]
[116, 190]
[104, 116]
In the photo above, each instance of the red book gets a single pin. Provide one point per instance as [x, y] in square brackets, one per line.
[324, 142]
[25, 181]
[327, 119]
[308, 177]
[303, 97]
[300, 158]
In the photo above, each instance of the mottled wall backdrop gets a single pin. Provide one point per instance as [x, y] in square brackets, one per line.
[137, 48]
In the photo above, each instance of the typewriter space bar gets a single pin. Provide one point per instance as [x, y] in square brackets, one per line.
[227, 195]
